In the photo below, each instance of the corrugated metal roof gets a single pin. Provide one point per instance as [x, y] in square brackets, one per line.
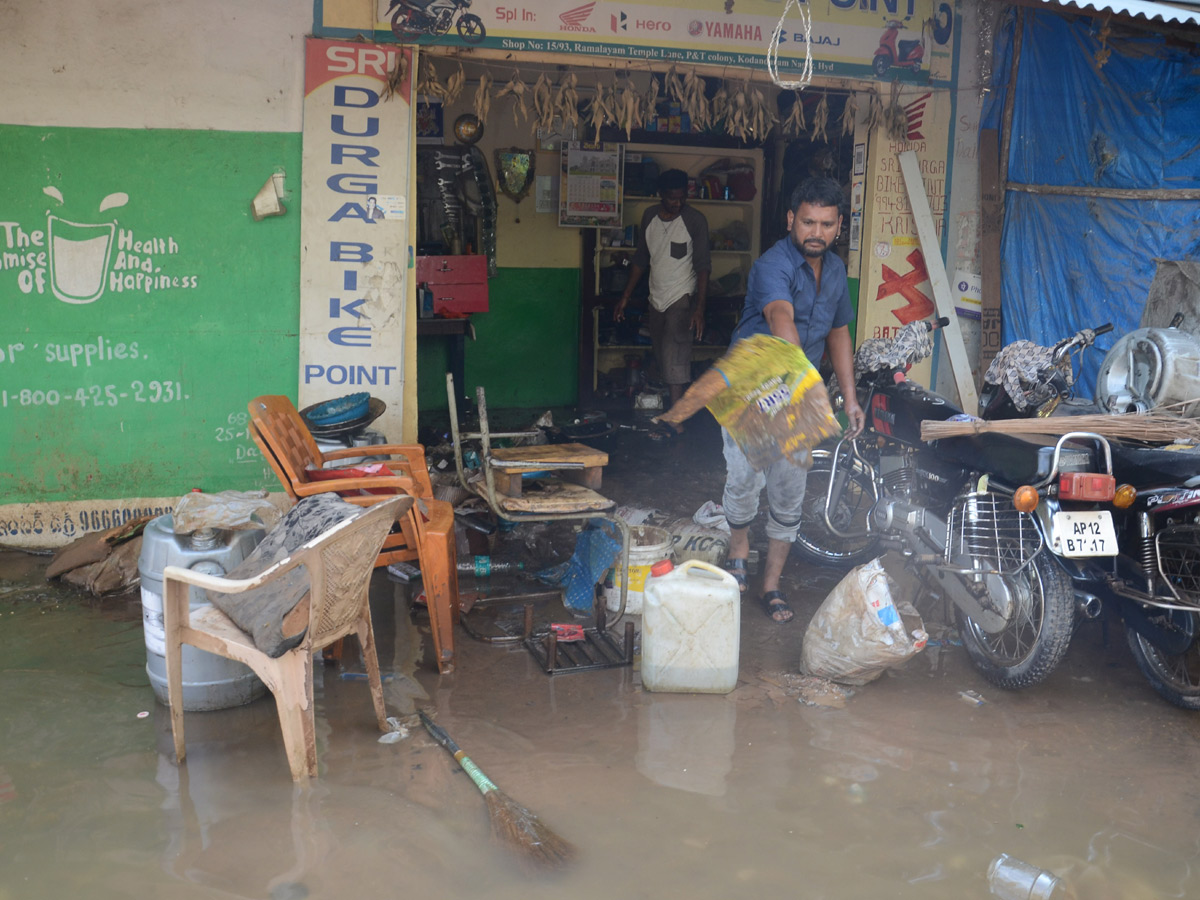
[1181, 13]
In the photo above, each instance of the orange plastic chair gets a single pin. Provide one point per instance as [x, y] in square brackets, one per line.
[424, 533]
[339, 565]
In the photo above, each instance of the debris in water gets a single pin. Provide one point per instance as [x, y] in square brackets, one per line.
[971, 697]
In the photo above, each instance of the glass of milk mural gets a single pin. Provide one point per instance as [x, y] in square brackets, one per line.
[79, 252]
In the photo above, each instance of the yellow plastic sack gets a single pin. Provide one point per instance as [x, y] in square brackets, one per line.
[768, 396]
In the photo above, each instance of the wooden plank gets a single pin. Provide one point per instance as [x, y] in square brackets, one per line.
[548, 456]
[968, 398]
[1067, 190]
[991, 209]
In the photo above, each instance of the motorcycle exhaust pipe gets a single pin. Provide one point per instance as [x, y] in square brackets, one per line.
[1088, 605]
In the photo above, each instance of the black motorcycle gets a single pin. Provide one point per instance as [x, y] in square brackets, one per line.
[1153, 584]
[983, 520]
[413, 18]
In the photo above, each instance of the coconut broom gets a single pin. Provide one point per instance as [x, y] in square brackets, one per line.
[512, 823]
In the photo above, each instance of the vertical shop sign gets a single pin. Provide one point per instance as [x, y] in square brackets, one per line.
[355, 256]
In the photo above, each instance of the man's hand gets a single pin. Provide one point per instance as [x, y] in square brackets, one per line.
[855, 418]
[619, 311]
[697, 322]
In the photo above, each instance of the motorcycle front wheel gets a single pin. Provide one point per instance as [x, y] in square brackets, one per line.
[815, 543]
[470, 28]
[1038, 632]
[1175, 676]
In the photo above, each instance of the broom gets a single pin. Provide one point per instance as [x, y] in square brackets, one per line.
[512, 823]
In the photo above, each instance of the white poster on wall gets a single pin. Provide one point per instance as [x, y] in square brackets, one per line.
[355, 255]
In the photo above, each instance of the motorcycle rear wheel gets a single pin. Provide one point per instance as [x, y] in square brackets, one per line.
[815, 543]
[470, 28]
[880, 64]
[1036, 638]
[1174, 676]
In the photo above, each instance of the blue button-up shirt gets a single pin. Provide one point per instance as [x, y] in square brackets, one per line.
[782, 273]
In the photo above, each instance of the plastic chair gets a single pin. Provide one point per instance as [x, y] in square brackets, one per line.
[339, 566]
[424, 533]
[566, 495]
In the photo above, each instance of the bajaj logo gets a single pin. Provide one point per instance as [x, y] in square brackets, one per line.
[573, 19]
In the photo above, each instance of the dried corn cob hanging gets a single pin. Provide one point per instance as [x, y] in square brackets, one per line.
[849, 114]
[454, 86]
[737, 119]
[598, 111]
[428, 83]
[515, 88]
[719, 107]
[762, 117]
[793, 125]
[566, 102]
[820, 120]
[651, 100]
[874, 111]
[543, 103]
[673, 86]
[483, 98]
[895, 119]
[396, 76]
[695, 103]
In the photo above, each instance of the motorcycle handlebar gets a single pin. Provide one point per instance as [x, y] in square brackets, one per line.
[940, 322]
[1103, 329]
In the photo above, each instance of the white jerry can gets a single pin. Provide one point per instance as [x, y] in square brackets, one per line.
[691, 625]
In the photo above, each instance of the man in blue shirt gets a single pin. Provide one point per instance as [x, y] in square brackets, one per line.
[797, 291]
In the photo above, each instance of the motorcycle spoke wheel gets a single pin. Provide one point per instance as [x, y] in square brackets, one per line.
[1174, 676]
[470, 28]
[1038, 632]
[815, 543]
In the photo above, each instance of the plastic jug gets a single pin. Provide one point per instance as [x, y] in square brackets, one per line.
[691, 625]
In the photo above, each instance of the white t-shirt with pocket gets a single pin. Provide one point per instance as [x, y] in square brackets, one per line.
[671, 273]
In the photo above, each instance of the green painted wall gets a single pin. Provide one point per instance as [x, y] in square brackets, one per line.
[140, 391]
[527, 349]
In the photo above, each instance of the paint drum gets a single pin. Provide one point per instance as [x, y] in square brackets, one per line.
[209, 681]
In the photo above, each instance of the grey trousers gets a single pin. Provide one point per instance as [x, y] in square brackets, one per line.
[784, 482]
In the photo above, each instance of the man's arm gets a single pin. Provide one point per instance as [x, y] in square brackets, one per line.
[635, 275]
[697, 323]
[840, 346]
[780, 316]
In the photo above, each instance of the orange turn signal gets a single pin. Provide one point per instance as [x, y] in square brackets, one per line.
[1124, 496]
[1025, 498]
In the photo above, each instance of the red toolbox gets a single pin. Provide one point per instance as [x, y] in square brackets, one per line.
[458, 283]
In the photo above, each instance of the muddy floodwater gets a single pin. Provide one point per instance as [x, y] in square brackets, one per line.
[905, 791]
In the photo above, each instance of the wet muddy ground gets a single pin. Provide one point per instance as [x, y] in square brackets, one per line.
[906, 791]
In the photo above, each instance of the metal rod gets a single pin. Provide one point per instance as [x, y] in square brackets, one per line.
[1066, 190]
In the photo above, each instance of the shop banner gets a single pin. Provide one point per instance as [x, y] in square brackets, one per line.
[355, 261]
[909, 40]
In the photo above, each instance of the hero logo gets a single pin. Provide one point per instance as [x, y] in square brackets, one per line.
[620, 22]
[574, 19]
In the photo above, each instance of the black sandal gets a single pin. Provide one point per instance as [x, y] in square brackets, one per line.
[773, 605]
[737, 568]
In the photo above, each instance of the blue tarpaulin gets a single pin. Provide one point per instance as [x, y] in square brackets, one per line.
[1117, 111]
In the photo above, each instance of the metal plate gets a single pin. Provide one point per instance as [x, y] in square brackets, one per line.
[1076, 535]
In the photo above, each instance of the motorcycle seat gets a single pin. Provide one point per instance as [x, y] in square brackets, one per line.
[1012, 459]
[1151, 467]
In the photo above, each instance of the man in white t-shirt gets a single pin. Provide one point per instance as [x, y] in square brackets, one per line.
[673, 244]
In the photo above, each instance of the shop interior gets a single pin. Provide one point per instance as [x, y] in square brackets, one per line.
[501, 283]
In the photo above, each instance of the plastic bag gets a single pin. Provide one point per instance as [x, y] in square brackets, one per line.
[596, 549]
[236, 510]
[860, 630]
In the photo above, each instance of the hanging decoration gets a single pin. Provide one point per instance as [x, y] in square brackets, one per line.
[820, 120]
[895, 119]
[396, 76]
[515, 88]
[598, 111]
[483, 98]
[874, 111]
[454, 85]
[719, 107]
[773, 48]
[849, 113]
[565, 104]
[543, 106]
[794, 125]
[695, 103]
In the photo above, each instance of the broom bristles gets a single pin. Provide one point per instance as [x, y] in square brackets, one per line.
[513, 824]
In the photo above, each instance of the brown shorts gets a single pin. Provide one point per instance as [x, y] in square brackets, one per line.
[671, 335]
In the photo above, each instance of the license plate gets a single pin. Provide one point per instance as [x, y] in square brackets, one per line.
[1081, 534]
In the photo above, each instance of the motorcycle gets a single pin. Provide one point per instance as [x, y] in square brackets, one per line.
[893, 52]
[1153, 583]
[413, 18]
[984, 521]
